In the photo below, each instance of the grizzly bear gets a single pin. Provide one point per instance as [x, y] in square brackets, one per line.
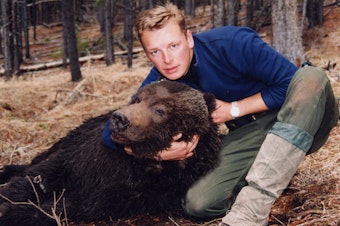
[80, 179]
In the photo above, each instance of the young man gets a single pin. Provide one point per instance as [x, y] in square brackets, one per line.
[276, 112]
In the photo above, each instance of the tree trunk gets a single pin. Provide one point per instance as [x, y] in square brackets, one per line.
[101, 17]
[25, 26]
[1, 50]
[219, 13]
[109, 53]
[143, 5]
[314, 12]
[286, 30]
[71, 39]
[231, 12]
[17, 35]
[129, 29]
[34, 19]
[7, 38]
[64, 48]
[250, 13]
[189, 8]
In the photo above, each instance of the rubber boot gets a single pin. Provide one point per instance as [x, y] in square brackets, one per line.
[271, 172]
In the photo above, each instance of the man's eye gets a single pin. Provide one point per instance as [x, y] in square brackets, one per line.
[173, 46]
[160, 112]
[154, 52]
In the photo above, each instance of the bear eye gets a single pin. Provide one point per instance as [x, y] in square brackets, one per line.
[160, 112]
[136, 100]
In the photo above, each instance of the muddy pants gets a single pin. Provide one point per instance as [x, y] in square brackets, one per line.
[310, 105]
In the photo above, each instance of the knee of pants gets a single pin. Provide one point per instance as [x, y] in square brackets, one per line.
[193, 208]
[310, 80]
[312, 72]
[201, 207]
[307, 97]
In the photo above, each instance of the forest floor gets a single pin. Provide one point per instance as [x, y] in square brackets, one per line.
[37, 108]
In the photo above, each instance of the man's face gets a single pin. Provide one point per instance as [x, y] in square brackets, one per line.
[169, 49]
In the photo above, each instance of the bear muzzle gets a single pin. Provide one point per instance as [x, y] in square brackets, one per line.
[118, 125]
[119, 122]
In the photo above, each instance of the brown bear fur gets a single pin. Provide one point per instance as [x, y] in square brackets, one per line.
[98, 183]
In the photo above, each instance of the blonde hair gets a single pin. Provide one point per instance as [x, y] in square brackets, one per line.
[158, 17]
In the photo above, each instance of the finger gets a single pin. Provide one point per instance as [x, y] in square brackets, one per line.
[190, 154]
[177, 137]
[128, 150]
[193, 143]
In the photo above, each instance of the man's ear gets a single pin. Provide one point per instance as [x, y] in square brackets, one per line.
[190, 39]
[210, 101]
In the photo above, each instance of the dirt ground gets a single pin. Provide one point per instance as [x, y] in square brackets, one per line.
[38, 108]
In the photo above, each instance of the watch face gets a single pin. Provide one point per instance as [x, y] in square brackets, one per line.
[235, 112]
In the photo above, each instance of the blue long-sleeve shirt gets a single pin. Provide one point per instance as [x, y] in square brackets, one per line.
[232, 63]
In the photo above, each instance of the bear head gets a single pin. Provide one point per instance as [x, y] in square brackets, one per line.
[158, 112]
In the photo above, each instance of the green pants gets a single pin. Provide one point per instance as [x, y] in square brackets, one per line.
[310, 105]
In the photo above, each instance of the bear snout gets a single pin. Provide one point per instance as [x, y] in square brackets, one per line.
[119, 122]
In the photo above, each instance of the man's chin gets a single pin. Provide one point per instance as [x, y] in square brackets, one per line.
[173, 76]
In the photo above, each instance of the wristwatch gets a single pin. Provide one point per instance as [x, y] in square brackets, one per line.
[234, 110]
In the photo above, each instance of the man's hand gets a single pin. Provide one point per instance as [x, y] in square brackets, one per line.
[221, 113]
[179, 150]
[250, 105]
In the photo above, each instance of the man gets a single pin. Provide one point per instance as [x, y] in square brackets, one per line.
[276, 112]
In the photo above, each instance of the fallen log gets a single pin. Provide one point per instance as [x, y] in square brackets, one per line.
[58, 63]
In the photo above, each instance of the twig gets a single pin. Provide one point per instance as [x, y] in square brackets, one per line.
[314, 221]
[53, 216]
[275, 218]
[54, 208]
[35, 191]
[81, 93]
[29, 202]
[173, 221]
[17, 149]
[65, 212]
[307, 212]
[212, 221]
[70, 98]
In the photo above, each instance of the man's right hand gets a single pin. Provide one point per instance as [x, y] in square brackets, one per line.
[179, 150]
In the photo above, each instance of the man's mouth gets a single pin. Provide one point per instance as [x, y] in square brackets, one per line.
[172, 69]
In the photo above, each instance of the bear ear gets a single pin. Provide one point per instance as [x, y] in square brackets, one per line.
[210, 101]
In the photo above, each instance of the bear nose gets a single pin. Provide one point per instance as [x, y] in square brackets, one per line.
[119, 122]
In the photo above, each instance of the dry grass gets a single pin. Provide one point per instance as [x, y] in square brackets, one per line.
[37, 109]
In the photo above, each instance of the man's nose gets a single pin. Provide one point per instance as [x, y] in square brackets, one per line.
[167, 57]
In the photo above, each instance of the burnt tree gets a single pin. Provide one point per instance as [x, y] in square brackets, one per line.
[219, 13]
[129, 20]
[314, 12]
[109, 53]
[232, 9]
[287, 37]
[7, 36]
[189, 8]
[250, 13]
[25, 27]
[71, 38]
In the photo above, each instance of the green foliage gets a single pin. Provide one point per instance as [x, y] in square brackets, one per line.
[99, 2]
[46, 40]
[57, 54]
[44, 126]
[83, 46]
